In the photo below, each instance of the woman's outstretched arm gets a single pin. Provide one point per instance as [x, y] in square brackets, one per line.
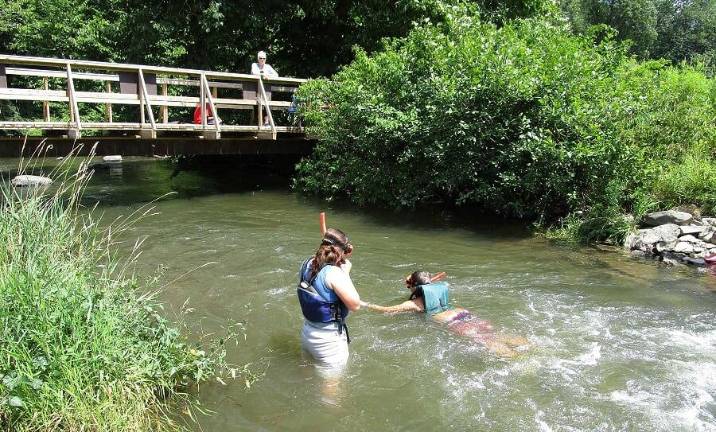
[407, 306]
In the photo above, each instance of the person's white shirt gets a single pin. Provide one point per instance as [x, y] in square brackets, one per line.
[267, 70]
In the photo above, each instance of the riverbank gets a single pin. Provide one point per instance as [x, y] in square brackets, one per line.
[84, 345]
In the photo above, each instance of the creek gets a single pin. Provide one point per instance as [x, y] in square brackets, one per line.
[616, 343]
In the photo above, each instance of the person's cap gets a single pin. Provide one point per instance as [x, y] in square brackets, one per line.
[261, 55]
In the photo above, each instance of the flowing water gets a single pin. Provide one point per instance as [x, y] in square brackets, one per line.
[616, 343]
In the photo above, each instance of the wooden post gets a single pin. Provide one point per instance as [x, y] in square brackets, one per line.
[215, 92]
[145, 98]
[142, 118]
[214, 112]
[108, 107]
[74, 108]
[45, 104]
[202, 101]
[268, 108]
[165, 109]
[259, 100]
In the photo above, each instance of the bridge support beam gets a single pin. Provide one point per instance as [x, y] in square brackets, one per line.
[74, 134]
[211, 135]
[147, 133]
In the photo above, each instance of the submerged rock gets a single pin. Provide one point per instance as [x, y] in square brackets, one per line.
[30, 180]
[699, 262]
[667, 217]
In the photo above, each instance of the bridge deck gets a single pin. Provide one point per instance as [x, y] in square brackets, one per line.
[162, 146]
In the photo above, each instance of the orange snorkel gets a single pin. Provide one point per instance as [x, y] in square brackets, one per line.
[322, 222]
[438, 277]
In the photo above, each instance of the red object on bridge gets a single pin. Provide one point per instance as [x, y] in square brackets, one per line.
[197, 113]
[710, 260]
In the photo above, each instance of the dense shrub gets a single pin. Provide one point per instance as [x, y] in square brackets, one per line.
[525, 120]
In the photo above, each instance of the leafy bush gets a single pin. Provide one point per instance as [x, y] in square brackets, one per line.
[525, 120]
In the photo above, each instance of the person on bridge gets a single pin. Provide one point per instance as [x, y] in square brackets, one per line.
[326, 294]
[265, 71]
[431, 297]
[262, 68]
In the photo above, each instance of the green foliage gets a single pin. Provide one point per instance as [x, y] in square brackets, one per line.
[304, 38]
[692, 180]
[673, 30]
[82, 348]
[525, 120]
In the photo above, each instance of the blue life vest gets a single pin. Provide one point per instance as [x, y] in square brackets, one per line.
[436, 297]
[319, 303]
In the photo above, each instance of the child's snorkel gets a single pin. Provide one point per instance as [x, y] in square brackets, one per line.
[438, 276]
[322, 223]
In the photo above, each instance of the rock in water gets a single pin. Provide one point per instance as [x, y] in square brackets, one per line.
[667, 217]
[112, 159]
[30, 180]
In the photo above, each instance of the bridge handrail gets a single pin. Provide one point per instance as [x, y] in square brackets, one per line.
[126, 67]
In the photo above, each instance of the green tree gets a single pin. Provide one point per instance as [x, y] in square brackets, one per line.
[674, 30]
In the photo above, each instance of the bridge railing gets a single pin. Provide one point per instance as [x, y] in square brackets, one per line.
[154, 89]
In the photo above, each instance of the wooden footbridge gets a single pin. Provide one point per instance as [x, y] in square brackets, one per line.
[138, 109]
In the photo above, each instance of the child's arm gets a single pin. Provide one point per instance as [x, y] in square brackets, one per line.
[408, 306]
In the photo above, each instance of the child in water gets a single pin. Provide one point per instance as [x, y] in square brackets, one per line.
[431, 297]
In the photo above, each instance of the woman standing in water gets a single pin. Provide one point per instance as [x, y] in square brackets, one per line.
[326, 294]
[433, 299]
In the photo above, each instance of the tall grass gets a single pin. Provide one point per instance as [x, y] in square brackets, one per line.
[81, 348]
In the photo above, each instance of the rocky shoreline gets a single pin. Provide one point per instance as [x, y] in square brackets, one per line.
[675, 238]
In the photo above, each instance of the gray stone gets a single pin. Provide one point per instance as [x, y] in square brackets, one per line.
[638, 253]
[690, 239]
[644, 240]
[667, 232]
[699, 262]
[667, 217]
[684, 247]
[692, 229]
[709, 235]
[702, 254]
[664, 246]
[629, 241]
[30, 180]
[672, 258]
[709, 221]
[111, 159]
